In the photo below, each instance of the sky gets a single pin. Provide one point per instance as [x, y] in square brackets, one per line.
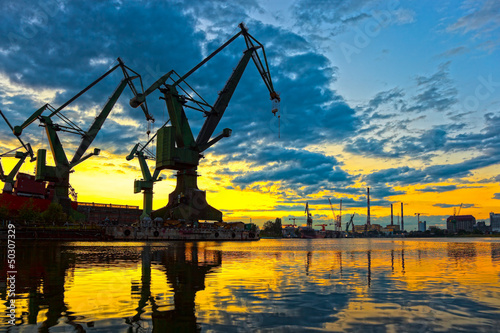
[399, 96]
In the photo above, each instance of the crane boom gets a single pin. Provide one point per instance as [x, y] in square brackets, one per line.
[94, 129]
[222, 102]
[225, 95]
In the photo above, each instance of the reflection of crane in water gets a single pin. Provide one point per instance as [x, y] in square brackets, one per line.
[402, 261]
[369, 277]
[308, 261]
[392, 260]
[42, 275]
[186, 274]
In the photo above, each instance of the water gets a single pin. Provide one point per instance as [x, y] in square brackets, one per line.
[337, 285]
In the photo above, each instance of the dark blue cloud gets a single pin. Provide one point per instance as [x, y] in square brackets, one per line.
[496, 196]
[439, 189]
[303, 171]
[401, 175]
[54, 46]
[72, 49]
[436, 92]
[393, 96]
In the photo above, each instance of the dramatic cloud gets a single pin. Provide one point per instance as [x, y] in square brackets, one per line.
[413, 120]
[299, 170]
[439, 189]
[323, 19]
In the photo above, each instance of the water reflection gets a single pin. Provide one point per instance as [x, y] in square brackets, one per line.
[45, 271]
[495, 251]
[288, 285]
[462, 251]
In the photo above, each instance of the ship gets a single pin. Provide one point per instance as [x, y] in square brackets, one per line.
[181, 233]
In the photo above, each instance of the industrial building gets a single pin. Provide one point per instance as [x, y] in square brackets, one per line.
[96, 213]
[495, 222]
[391, 228]
[457, 223]
[373, 227]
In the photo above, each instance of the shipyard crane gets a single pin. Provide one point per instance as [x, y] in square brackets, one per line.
[308, 216]
[177, 148]
[337, 218]
[9, 179]
[418, 216]
[323, 226]
[351, 222]
[59, 174]
[145, 185]
[294, 219]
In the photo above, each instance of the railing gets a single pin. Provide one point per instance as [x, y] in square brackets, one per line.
[93, 204]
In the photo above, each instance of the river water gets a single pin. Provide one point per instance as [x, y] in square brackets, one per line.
[289, 285]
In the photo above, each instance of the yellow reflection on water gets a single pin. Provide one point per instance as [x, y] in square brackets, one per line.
[329, 284]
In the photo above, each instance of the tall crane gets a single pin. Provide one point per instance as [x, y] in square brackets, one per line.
[177, 148]
[59, 174]
[9, 179]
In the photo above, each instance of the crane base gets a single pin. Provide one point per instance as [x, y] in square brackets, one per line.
[187, 202]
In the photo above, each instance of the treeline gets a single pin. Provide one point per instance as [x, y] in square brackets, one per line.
[29, 215]
[272, 229]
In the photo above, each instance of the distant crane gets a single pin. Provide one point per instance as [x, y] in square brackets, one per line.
[295, 218]
[418, 216]
[336, 218]
[308, 216]
[351, 222]
[322, 226]
[455, 212]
